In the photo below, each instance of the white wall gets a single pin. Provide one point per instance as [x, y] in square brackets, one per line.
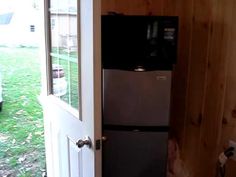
[18, 31]
[64, 25]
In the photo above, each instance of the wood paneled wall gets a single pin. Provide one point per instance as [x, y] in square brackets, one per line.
[203, 114]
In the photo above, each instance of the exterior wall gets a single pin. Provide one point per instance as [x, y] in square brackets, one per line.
[17, 32]
[67, 33]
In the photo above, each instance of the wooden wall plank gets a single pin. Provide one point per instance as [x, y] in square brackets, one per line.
[215, 91]
[155, 7]
[174, 7]
[130, 7]
[108, 6]
[229, 118]
[196, 82]
[183, 9]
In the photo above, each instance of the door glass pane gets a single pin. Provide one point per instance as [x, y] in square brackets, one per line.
[64, 50]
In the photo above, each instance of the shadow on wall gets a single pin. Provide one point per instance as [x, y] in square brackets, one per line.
[176, 166]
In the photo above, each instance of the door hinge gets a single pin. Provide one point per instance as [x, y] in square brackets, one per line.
[98, 144]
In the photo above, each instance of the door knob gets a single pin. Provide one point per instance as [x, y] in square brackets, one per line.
[86, 141]
[104, 138]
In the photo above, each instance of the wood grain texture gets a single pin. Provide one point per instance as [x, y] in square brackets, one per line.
[155, 7]
[229, 116]
[183, 9]
[108, 6]
[215, 90]
[131, 7]
[196, 83]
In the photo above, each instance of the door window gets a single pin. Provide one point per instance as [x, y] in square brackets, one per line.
[64, 55]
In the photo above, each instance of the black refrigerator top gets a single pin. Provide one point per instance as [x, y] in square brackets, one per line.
[129, 42]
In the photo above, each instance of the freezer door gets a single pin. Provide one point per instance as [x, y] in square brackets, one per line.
[134, 154]
[136, 98]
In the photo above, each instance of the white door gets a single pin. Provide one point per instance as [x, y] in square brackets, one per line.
[72, 101]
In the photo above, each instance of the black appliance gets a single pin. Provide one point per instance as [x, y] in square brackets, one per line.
[137, 57]
[132, 41]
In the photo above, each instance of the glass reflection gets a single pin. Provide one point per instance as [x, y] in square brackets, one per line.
[64, 50]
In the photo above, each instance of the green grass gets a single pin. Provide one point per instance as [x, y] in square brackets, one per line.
[71, 97]
[21, 122]
[70, 67]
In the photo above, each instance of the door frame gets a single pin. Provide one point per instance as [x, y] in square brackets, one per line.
[98, 85]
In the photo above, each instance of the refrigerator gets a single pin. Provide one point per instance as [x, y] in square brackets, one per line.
[136, 108]
[138, 54]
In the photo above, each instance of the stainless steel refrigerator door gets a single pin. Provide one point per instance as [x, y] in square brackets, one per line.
[134, 154]
[136, 98]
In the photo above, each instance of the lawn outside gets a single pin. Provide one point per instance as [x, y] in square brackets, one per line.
[21, 122]
[1, 101]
